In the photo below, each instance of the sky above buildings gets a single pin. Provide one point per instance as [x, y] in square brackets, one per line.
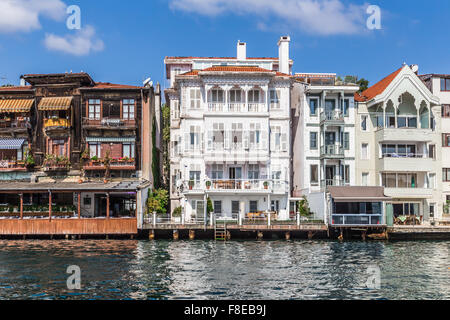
[126, 41]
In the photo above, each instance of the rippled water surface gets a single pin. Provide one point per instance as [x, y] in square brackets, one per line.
[233, 270]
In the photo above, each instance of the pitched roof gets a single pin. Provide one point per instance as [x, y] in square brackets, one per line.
[219, 58]
[108, 85]
[234, 69]
[377, 88]
[355, 194]
[15, 88]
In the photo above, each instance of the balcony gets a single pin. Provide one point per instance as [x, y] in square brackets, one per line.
[56, 123]
[332, 151]
[332, 183]
[115, 164]
[411, 162]
[409, 193]
[237, 186]
[405, 134]
[109, 123]
[332, 117]
[237, 107]
[54, 163]
[14, 125]
[12, 165]
[356, 220]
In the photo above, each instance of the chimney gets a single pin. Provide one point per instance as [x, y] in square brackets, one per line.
[22, 82]
[283, 54]
[241, 50]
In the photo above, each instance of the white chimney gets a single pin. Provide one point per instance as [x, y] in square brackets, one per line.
[283, 54]
[241, 50]
[22, 82]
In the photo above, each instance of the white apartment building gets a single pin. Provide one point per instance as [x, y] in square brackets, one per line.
[230, 133]
[398, 145]
[439, 85]
[323, 118]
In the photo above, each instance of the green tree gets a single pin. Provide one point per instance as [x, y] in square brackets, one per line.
[157, 201]
[165, 145]
[155, 159]
[363, 84]
[303, 207]
[209, 205]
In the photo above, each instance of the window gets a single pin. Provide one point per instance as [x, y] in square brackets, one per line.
[217, 95]
[58, 148]
[446, 139]
[253, 96]
[313, 107]
[253, 206]
[365, 179]
[445, 84]
[253, 172]
[175, 109]
[217, 207]
[346, 107]
[255, 134]
[314, 175]
[235, 207]
[399, 151]
[399, 180]
[276, 138]
[446, 110]
[235, 96]
[432, 181]
[275, 99]
[446, 174]
[365, 151]
[313, 140]
[217, 171]
[380, 122]
[195, 98]
[94, 150]
[194, 137]
[432, 205]
[364, 123]
[94, 109]
[347, 174]
[346, 141]
[194, 175]
[275, 205]
[432, 151]
[128, 150]
[407, 122]
[128, 109]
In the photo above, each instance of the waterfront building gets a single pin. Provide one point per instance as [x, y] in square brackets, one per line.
[230, 134]
[399, 145]
[323, 133]
[76, 155]
[439, 85]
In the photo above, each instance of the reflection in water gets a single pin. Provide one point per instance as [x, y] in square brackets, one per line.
[217, 270]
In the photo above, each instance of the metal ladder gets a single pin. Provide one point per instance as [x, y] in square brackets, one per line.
[220, 232]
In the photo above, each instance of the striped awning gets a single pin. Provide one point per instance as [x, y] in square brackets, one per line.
[11, 144]
[110, 139]
[55, 103]
[16, 105]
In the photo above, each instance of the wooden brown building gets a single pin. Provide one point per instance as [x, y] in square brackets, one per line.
[72, 148]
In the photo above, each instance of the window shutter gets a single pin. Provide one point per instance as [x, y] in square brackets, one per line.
[227, 139]
[210, 140]
[184, 100]
[284, 142]
[246, 140]
[187, 141]
[264, 140]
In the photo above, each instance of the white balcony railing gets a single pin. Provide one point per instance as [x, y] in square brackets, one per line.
[332, 116]
[244, 185]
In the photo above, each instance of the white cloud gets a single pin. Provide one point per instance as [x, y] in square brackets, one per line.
[81, 43]
[324, 17]
[24, 15]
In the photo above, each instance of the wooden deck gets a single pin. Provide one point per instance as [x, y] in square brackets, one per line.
[36, 227]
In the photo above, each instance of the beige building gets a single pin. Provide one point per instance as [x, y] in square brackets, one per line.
[398, 144]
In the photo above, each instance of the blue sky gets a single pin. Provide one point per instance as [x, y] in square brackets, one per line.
[126, 41]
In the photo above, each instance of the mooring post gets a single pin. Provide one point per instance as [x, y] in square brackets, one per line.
[154, 219]
[341, 236]
[191, 234]
[287, 235]
[151, 235]
[175, 235]
[298, 219]
[260, 235]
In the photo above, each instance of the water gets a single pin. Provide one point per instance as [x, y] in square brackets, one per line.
[216, 270]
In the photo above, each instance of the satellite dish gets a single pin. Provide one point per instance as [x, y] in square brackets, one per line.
[147, 81]
[415, 68]
[179, 183]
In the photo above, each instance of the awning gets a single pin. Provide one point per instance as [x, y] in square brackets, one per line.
[358, 194]
[110, 139]
[55, 103]
[16, 105]
[11, 144]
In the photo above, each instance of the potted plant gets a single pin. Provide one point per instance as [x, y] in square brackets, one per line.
[176, 214]
[191, 184]
[208, 184]
[266, 184]
[29, 160]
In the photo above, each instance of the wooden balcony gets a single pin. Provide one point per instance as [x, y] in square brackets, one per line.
[109, 124]
[12, 166]
[56, 123]
[129, 164]
[14, 126]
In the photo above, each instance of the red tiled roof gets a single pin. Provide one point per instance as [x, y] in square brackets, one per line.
[219, 58]
[191, 73]
[15, 88]
[234, 69]
[377, 88]
[107, 85]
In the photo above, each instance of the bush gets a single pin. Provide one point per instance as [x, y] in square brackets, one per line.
[177, 212]
[157, 201]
